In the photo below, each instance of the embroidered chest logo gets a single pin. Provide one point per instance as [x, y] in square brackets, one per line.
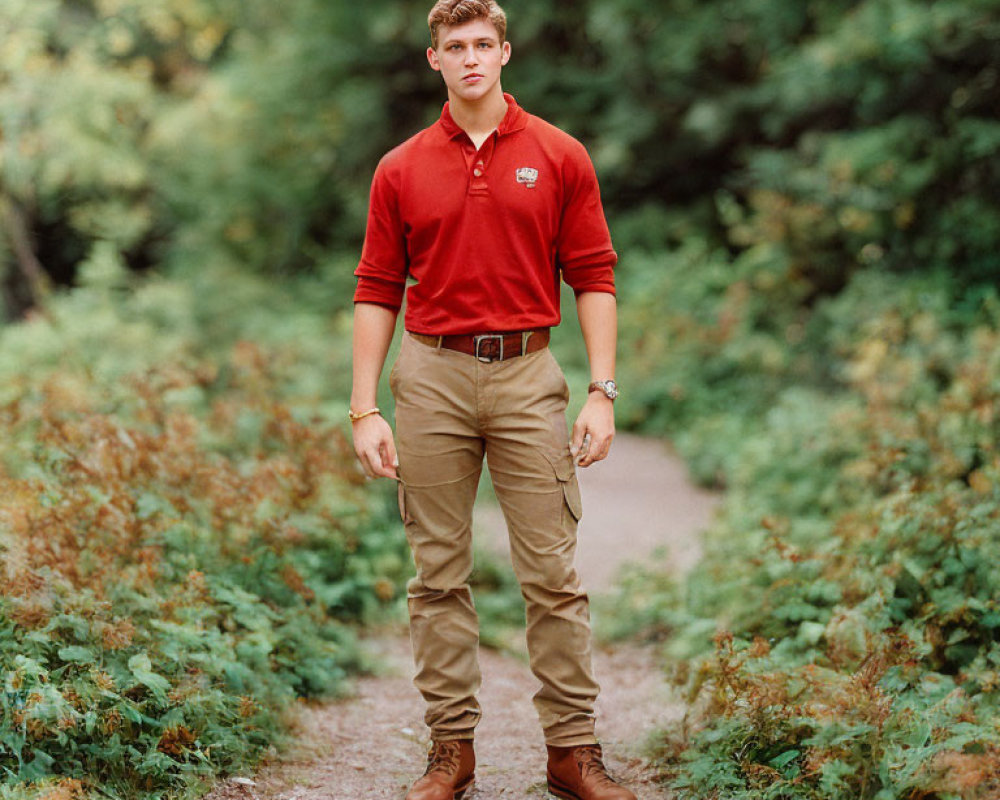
[528, 176]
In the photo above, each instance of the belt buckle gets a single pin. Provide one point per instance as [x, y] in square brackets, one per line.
[493, 351]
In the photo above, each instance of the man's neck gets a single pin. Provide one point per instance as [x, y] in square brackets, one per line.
[481, 117]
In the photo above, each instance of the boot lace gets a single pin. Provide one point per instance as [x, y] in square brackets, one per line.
[444, 757]
[588, 758]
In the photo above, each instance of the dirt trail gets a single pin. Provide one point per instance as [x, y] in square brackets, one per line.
[373, 745]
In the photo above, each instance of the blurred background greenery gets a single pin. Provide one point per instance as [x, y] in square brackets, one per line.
[804, 195]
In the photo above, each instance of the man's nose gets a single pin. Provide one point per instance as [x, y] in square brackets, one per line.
[470, 56]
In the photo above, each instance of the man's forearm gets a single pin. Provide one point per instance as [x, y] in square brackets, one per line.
[373, 329]
[598, 313]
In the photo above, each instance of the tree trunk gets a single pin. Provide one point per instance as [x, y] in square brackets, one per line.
[14, 225]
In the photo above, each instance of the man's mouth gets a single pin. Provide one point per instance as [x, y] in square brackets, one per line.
[473, 76]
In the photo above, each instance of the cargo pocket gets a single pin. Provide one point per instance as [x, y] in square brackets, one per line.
[403, 515]
[565, 471]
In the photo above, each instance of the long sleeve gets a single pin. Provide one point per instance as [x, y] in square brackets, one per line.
[383, 267]
[583, 246]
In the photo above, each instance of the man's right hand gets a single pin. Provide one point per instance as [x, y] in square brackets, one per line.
[375, 447]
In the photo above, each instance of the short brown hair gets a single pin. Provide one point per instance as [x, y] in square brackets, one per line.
[455, 12]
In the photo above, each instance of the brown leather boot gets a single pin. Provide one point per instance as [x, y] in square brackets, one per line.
[578, 773]
[450, 772]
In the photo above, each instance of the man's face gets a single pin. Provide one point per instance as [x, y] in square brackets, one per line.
[469, 57]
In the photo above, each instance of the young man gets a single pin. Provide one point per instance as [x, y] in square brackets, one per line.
[484, 211]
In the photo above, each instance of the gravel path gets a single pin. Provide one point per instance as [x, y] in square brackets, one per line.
[373, 745]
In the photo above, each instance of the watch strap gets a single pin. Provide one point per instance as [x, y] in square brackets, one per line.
[609, 388]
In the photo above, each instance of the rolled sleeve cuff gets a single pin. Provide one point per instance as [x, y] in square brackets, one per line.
[380, 292]
[591, 277]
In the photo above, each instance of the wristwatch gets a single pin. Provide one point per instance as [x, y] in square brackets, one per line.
[610, 388]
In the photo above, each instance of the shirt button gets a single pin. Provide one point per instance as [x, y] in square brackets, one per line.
[477, 172]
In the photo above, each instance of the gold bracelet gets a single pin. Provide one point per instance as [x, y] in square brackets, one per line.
[356, 415]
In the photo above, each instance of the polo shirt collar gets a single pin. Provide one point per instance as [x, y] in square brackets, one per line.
[514, 120]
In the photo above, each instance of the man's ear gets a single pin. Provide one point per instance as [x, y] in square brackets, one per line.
[432, 59]
[505, 54]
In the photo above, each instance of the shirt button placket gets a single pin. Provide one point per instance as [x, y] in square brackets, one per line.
[478, 171]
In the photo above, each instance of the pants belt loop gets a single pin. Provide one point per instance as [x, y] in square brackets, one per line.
[524, 341]
[439, 343]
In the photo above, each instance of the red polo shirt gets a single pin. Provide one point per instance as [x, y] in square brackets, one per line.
[484, 235]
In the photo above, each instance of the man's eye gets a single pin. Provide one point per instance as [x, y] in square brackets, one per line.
[485, 45]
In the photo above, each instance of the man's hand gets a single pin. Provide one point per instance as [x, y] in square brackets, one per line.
[375, 447]
[597, 418]
[373, 326]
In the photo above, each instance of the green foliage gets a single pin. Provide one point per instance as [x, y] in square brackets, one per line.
[810, 138]
[201, 130]
[882, 730]
[803, 194]
[809, 144]
[853, 559]
[186, 542]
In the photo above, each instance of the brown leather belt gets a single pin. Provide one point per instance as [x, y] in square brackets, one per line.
[489, 346]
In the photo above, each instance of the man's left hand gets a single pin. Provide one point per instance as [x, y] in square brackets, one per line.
[597, 418]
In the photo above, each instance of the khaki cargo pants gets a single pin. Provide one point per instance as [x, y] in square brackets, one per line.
[451, 410]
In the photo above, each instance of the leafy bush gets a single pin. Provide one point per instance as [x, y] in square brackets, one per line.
[821, 340]
[186, 542]
[853, 565]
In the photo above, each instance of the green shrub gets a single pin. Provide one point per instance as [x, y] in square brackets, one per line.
[853, 562]
[187, 544]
